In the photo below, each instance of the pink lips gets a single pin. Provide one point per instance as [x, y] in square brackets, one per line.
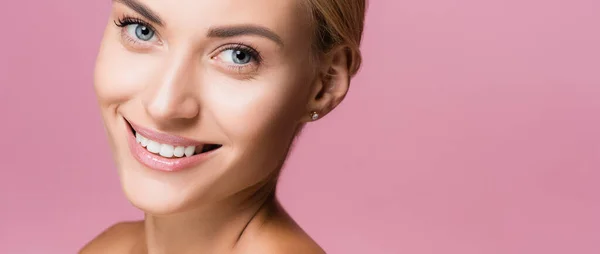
[157, 162]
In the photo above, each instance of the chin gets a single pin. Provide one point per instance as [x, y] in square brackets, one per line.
[157, 195]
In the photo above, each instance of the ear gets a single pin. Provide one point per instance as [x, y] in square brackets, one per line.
[332, 83]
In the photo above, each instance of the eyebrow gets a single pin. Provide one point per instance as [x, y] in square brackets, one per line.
[233, 31]
[221, 32]
[142, 10]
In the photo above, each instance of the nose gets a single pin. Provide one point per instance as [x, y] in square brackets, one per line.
[171, 97]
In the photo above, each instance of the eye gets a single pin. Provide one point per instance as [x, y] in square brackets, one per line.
[239, 59]
[140, 32]
[136, 29]
[238, 56]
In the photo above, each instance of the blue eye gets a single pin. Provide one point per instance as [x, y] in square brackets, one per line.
[137, 29]
[238, 56]
[140, 32]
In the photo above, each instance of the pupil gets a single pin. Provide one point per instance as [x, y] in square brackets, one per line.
[241, 57]
[143, 33]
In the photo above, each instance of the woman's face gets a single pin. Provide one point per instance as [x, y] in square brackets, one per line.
[214, 90]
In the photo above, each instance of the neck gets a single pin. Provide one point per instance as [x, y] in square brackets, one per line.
[209, 229]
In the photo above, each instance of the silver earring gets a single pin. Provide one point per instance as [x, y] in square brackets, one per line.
[314, 115]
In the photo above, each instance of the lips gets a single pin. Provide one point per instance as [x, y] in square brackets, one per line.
[166, 152]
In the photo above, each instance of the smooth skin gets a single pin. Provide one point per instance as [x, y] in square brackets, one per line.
[186, 68]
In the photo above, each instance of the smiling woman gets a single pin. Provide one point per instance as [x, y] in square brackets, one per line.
[201, 101]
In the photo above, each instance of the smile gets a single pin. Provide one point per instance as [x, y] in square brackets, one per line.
[169, 151]
[166, 152]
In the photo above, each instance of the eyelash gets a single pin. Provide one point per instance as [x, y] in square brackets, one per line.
[125, 21]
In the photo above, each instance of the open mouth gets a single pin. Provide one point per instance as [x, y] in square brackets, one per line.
[173, 149]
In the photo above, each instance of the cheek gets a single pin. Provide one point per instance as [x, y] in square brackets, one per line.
[257, 110]
[119, 74]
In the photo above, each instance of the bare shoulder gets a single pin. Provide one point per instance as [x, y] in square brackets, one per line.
[118, 238]
[286, 241]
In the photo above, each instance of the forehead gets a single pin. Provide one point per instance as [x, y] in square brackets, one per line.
[288, 18]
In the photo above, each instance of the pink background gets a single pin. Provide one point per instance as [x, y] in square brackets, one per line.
[474, 127]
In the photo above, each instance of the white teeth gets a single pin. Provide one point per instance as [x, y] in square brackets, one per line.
[165, 150]
[189, 151]
[179, 151]
[153, 146]
[144, 141]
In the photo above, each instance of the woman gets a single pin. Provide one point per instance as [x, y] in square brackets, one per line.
[201, 100]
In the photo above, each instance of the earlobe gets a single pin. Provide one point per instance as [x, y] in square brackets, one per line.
[332, 83]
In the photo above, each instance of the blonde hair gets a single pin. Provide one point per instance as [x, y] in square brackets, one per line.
[339, 23]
